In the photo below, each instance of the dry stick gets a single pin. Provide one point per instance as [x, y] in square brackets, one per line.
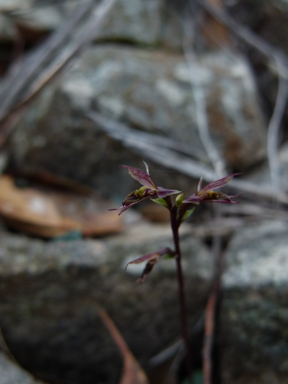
[18, 79]
[281, 64]
[210, 317]
[132, 372]
[273, 130]
[44, 55]
[247, 35]
[219, 166]
[173, 160]
[199, 97]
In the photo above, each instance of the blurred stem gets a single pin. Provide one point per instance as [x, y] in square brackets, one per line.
[182, 301]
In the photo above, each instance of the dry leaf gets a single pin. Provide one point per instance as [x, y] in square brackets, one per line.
[132, 372]
[49, 210]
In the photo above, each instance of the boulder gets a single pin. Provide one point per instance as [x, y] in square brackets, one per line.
[268, 18]
[150, 91]
[261, 174]
[254, 314]
[50, 293]
[152, 22]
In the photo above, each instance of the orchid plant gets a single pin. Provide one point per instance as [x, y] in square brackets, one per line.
[180, 209]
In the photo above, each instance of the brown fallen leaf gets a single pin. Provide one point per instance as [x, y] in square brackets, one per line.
[132, 372]
[48, 210]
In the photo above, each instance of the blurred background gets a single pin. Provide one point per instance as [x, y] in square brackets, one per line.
[193, 88]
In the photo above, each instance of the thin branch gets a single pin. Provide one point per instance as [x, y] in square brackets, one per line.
[273, 130]
[210, 315]
[183, 164]
[199, 97]
[26, 80]
[19, 77]
[248, 36]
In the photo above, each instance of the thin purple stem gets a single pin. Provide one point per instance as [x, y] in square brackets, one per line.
[182, 301]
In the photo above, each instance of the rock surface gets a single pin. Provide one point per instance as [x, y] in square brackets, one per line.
[261, 175]
[266, 17]
[150, 91]
[13, 374]
[51, 292]
[254, 338]
[151, 22]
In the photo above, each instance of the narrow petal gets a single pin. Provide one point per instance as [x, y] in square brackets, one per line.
[147, 168]
[218, 183]
[148, 257]
[192, 199]
[163, 192]
[228, 199]
[152, 256]
[142, 177]
[200, 183]
[125, 207]
[151, 259]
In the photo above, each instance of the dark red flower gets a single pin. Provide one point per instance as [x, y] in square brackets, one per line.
[151, 259]
[207, 193]
[148, 191]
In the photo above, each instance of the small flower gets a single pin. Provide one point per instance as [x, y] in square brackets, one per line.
[148, 191]
[207, 193]
[151, 259]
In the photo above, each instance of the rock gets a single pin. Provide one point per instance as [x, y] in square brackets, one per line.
[254, 316]
[50, 293]
[268, 18]
[261, 174]
[149, 91]
[13, 374]
[151, 22]
[8, 31]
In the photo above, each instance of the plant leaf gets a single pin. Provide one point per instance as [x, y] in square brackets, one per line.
[160, 201]
[187, 214]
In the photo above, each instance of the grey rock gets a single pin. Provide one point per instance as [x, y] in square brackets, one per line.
[8, 31]
[149, 91]
[254, 315]
[261, 174]
[11, 373]
[151, 22]
[268, 18]
[50, 293]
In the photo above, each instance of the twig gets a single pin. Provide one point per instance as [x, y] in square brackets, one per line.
[183, 164]
[219, 166]
[23, 83]
[132, 372]
[248, 36]
[199, 97]
[273, 130]
[120, 131]
[18, 79]
[210, 313]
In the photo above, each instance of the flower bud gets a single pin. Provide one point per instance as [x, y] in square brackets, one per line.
[179, 200]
